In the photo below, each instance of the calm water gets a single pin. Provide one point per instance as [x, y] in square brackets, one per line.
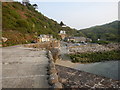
[109, 69]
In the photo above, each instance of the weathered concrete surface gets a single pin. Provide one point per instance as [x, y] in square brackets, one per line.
[24, 68]
[0, 68]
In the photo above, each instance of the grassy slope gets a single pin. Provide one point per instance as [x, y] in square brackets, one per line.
[21, 24]
[108, 32]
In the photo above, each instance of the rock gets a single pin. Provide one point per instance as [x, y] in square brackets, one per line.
[53, 79]
[63, 80]
[89, 48]
[4, 39]
[50, 56]
[52, 71]
[55, 53]
[57, 85]
[74, 86]
[52, 65]
[50, 61]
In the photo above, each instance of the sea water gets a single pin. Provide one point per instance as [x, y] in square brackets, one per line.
[110, 69]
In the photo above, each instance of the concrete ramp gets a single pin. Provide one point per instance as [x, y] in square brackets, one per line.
[24, 68]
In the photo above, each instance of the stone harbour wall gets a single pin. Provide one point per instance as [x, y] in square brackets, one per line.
[71, 78]
[44, 45]
[53, 78]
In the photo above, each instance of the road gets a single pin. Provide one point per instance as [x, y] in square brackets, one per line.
[24, 68]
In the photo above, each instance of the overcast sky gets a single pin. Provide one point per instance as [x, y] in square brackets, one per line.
[79, 14]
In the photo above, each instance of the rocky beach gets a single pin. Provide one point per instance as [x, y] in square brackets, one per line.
[93, 48]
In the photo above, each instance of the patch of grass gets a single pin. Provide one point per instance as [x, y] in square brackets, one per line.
[15, 37]
[96, 56]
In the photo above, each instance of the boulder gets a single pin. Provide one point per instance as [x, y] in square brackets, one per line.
[53, 79]
[51, 65]
[63, 80]
[55, 53]
[50, 60]
[4, 39]
[57, 85]
[50, 55]
[52, 71]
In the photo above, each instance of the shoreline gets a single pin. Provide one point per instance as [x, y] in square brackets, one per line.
[99, 68]
[69, 63]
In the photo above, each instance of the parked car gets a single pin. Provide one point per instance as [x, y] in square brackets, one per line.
[77, 44]
[33, 41]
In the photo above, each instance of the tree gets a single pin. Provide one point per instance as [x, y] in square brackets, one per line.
[61, 23]
[35, 6]
[25, 2]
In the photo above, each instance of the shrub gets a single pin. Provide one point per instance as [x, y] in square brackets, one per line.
[22, 23]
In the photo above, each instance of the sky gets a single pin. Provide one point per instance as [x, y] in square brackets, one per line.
[79, 14]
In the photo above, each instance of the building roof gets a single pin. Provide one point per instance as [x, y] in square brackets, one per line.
[45, 36]
[62, 32]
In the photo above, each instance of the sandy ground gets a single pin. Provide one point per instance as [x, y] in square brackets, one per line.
[24, 68]
[66, 63]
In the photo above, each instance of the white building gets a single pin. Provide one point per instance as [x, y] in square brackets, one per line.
[64, 26]
[62, 32]
[25, 2]
[44, 38]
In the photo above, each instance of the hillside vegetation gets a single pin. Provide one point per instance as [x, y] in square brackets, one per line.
[107, 32]
[0, 24]
[22, 24]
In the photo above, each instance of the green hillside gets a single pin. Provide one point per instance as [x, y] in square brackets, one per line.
[107, 32]
[22, 24]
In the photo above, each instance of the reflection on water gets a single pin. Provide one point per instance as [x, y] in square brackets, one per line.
[108, 69]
